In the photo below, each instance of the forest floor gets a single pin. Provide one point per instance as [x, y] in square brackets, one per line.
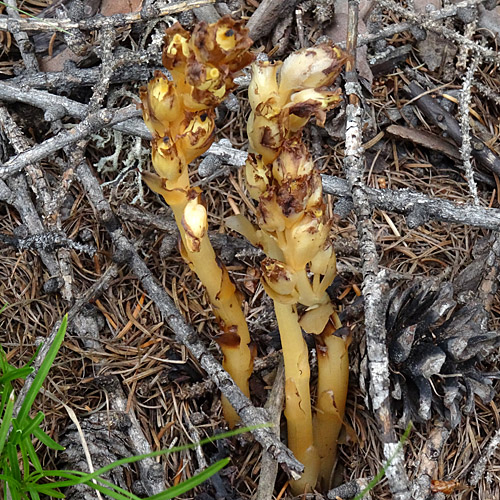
[60, 240]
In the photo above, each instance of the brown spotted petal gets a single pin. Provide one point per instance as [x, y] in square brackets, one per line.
[257, 176]
[311, 68]
[311, 102]
[315, 194]
[291, 197]
[225, 42]
[294, 161]
[263, 89]
[265, 136]
[162, 100]
[269, 214]
[167, 160]
[305, 240]
[279, 281]
[176, 50]
[156, 127]
[194, 222]
[198, 135]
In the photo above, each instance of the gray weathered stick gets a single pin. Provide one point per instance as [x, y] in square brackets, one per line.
[417, 207]
[374, 285]
[91, 124]
[268, 465]
[97, 22]
[127, 253]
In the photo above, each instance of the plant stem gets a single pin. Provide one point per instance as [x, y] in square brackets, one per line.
[333, 379]
[235, 339]
[297, 395]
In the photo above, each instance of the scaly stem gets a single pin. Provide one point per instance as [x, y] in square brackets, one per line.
[298, 398]
[235, 339]
[333, 379]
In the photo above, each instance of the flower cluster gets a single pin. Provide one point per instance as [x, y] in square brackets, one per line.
[180, 112]
[281, 177]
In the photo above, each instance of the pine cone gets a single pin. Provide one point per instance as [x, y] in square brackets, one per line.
[435, 349]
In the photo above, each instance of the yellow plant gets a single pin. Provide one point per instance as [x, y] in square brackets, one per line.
[293, 231]
[180, 115]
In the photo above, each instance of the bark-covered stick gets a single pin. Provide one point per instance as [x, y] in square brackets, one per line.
[124, 251]
[374, 289]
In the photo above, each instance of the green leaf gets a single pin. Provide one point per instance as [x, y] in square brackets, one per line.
[42, 371]
[47, 440]
[6, 421]
[190, 483]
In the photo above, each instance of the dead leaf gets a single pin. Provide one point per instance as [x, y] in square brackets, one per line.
[424, 138]
[111, 7]
[56, 63]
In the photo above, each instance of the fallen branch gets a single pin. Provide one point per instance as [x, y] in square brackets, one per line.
[93, 123]
[417, 207]
[447, 123]
[98, 21]
[126, 252]
[428, 22]
[268, 465]
[374, 286]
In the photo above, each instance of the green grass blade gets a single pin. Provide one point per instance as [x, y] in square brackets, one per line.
[129, 460]
[380, 474]
[113, 487]
[47, 440]
[16, 373]
[5, 392]
[11, 452]
[192, 482]
[42, 372]
[109, 492]
[15, 493]
[57, 28]
[33, 494]
[31, 424]
[6, 421]
[33, 456]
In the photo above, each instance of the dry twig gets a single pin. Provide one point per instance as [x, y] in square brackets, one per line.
[374, 286]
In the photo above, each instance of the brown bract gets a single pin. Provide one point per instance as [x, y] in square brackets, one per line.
[206, 62]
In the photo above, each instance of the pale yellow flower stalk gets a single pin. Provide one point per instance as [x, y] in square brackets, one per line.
[293, 231]
[180, 115]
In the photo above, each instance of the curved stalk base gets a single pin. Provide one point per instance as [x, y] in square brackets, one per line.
[297, 395]
[235, 338]
[333, 380]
